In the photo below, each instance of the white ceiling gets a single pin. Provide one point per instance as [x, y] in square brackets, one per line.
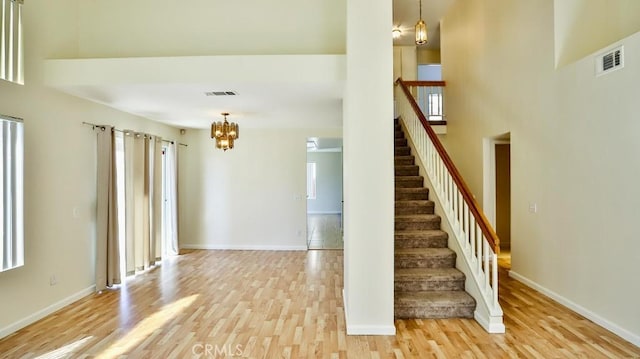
[313, 97]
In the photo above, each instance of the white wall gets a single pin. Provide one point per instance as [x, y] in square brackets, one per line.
[328, 182]
[571, 137]
[405, 63]
[59, 175]
[368, 169]
[582, 27]
[250, 197]
[209, 27]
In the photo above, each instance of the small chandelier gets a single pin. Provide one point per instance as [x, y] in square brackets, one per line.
[421, 29]
[225, 133]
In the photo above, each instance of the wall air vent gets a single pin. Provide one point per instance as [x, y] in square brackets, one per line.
[610, 61]
[221, 93]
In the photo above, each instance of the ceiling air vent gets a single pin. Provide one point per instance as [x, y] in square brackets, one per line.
[610, 61]
[221, 93]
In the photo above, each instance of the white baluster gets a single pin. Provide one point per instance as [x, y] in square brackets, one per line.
[480, 248]
[494, 278]
[472, 236]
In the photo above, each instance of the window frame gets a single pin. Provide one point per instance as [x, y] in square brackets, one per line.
[12, 181]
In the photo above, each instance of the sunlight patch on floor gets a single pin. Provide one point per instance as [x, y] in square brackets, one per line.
[67, 350]
[147, 326]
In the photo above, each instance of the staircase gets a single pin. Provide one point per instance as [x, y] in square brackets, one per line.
[427, 284]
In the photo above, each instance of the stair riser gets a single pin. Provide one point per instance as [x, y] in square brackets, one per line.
[434, 312]
[419, 286]
[423, 209]
[434, 262]
[398, 135]
[404, 161]
[409, 183]
[400, 142]
[402, 151]
[416, 225]
[407, 171]
[433, 242]
[415, 196]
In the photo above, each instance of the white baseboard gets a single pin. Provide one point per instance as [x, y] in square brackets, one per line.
[365, 329]
[495, 326]
[11, 328]
[371, 330]
[249, 247]
[610, 326]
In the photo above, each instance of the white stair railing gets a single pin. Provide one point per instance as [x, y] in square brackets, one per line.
[476, 238]
[430, 98]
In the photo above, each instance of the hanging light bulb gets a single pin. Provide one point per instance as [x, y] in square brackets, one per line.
[421, 29]
[396, 33]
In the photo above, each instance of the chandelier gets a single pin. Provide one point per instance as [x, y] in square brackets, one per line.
[225, 133]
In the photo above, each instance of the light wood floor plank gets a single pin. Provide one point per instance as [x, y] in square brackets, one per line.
[289, 305]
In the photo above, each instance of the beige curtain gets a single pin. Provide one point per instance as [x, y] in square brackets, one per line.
[143, 184]
[156, 197]
[170, 231]
[107, 248]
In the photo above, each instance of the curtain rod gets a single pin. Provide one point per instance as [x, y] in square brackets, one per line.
[104, 127]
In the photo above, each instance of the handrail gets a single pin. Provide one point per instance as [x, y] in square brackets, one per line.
[425, 83]
[481, 220]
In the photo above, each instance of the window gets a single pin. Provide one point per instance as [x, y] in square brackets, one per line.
[11, 193]
[11, 48]
[311, 180]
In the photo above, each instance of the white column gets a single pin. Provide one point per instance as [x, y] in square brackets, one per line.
[368, 169]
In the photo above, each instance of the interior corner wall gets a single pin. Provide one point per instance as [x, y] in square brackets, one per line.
[582, 27]
[368, 169]
[328, 183]
[59, 175]
[250, 197]
[571, 136]
[428, 57]
[405, 63]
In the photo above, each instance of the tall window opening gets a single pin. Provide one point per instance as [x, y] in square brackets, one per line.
[11, 39]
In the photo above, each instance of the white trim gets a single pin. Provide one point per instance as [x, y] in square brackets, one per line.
[12, 328]
[495, 326]
[371, 330]
[249, 247]
[324, 212]
[489, 176]
[605, 323]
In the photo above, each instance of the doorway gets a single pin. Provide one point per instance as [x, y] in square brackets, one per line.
[497, 191]
[324, 193]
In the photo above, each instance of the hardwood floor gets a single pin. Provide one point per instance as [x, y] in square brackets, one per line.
[254, 304]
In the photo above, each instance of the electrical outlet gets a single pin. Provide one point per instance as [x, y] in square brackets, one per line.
[533, 207]
[53, 280]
